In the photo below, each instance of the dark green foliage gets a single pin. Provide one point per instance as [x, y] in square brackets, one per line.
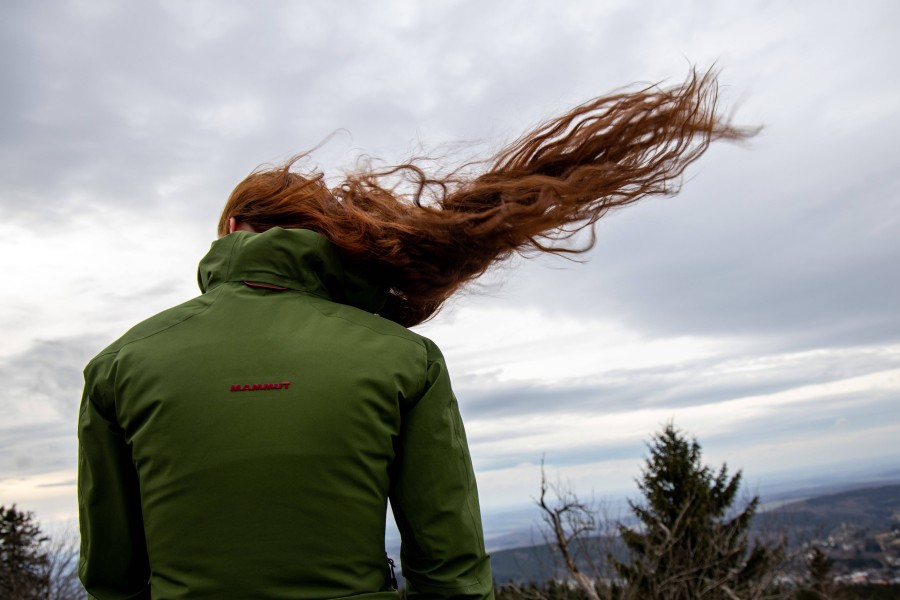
[819, 584]
[23, 560]
[549, 590]
[819, 571]
[555, 591]
[690, 545]
[867, 592]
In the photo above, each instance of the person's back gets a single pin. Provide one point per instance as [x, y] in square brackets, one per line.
[245, 444]
[268, 422]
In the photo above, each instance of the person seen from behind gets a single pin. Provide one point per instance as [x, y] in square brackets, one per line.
[245, 444]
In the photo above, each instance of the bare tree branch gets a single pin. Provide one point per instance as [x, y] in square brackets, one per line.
[569, 520]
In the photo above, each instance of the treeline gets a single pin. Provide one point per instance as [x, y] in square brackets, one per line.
[560, 591]
[34, 566]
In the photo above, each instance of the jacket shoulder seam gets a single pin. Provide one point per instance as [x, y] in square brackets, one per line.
[414, 338]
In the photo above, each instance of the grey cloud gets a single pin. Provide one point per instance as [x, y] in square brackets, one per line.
[38, 448]
[693, 383]
[66, 483]
[117, 108]
[115, 111]
[152, 291]
[852, 413]
[790, 243]
[792, 238]
[818, 276]
[47, 373]
[586, 452]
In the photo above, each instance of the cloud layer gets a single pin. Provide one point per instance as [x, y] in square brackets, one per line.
[758, 310]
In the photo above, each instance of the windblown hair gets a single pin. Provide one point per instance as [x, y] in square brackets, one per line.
[439, 232]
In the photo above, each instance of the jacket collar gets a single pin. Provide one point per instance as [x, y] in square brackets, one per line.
[297, 259]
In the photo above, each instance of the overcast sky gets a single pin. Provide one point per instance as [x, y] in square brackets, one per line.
[758, 309]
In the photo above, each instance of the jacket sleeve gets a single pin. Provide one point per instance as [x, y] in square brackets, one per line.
[113, 563]
[434, 497]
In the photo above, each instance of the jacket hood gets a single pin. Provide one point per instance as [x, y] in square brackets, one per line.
[297, 259]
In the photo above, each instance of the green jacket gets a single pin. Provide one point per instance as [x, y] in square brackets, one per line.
[245, 443]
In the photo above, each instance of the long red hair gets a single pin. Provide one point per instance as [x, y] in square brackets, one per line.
[436, 233]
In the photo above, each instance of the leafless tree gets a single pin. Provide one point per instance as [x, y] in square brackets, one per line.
[571, 523]
[61, 569]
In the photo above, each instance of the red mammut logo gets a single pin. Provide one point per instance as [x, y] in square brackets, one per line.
[261, 387]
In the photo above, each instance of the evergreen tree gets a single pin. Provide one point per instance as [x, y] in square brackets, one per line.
[819, 578]
[23, 561]
[690, 544]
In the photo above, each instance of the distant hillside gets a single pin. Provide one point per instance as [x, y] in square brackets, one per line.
[875, 509]
[539, 563]
[867, 508]
[531, 563]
